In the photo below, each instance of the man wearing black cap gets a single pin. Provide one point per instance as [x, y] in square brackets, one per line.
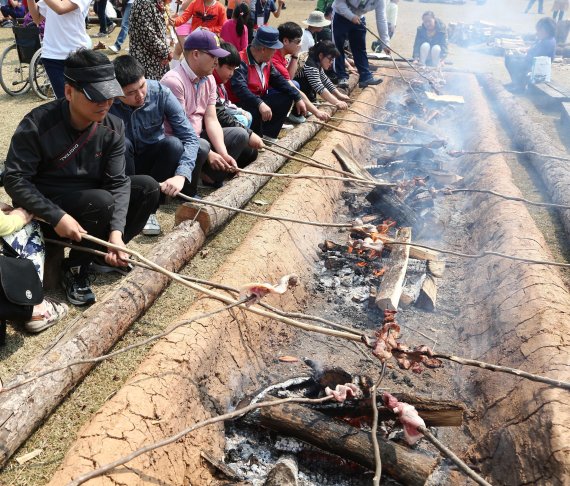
[66, 165]
[252, 80]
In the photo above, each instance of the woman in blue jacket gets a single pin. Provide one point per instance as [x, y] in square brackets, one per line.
[430, 46]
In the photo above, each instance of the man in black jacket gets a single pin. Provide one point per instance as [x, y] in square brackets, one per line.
[66, 165]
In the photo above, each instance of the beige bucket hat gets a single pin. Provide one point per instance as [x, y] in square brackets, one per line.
[317, 19]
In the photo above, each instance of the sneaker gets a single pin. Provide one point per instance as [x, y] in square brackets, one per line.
[8, 24]
[372, 81]
[100, 266]
[151, 228]
[54, 311]
[99, 34]
[270, 139]
[77, 285]
[343, 83]
[296, 119]
[111, 28]
[114, 48]
[287, 126]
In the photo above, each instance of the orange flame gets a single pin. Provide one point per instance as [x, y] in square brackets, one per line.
[361, 264]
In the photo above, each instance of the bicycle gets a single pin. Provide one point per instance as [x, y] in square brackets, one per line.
[21, 66]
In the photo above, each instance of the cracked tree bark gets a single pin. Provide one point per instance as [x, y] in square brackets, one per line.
[519, 318]
[527, 135]
[199, 370]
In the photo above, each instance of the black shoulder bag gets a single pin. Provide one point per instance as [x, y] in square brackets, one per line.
[20, 288]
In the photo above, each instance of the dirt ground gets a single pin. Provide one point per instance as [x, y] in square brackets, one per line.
[59, 431]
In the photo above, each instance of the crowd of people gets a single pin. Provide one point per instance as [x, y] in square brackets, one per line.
[200, 90]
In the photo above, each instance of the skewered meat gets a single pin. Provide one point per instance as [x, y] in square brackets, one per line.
[408, 417]
[342, 392]
[256, 291]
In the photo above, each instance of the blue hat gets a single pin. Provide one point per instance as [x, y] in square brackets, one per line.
[268, 37]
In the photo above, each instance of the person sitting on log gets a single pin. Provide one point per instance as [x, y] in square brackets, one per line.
[193, 84]
[145, 107]
[66, 165]
[519, 64]
[430, 45]
[230, 115]
[251, 83]
[313, 80]
[290, 36]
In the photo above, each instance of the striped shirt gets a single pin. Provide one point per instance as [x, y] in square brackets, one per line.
[314, 76]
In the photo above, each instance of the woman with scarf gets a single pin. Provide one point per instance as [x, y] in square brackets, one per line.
[148, 42]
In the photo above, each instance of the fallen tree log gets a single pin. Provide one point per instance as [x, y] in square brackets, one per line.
[345, 441]
[436, 413]
[92, 334]
[528, 136]
[348, 163]
[237, 192]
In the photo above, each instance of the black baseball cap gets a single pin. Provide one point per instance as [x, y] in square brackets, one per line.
[98, 83]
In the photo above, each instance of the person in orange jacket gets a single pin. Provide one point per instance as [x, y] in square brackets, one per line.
[207, 14]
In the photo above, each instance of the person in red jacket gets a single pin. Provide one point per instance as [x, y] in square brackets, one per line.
[250, 86]
[207, 14]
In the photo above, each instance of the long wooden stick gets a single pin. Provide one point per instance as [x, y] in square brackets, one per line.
[491, 367]
[372, 105]
[311, 163]
[287, 149]
[366, 137]
[508, 198]
[126, 349]
[263, 215]
[483, 254]
[375, 445]
[452, 456]
[173, 438]
[461, 153]
[223, 298]
[353, 179]
[382, 122]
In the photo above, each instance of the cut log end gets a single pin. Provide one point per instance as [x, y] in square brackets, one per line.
[188, 211]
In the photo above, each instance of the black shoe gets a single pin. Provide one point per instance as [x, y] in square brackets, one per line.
[372, 81]
[100, 266]
[77, 285]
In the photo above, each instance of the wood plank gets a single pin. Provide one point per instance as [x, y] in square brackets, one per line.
[552, 91]
[415, 252]
[350, 164]
[392, 283]
[428, 294]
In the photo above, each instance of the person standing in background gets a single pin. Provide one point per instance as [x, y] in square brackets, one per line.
[148, 43]
[64, 33]
[323, 5]
[531, 3]
[116, 47]
[349, 24]
[106, 26]
[392, 16]
[559, 8]
[205, 14]
[262, 9]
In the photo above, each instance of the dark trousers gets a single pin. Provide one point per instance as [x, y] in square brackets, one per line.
[93, 208]
[280, 104]
[559, 14]
[236, 141]
[160, 161]
[54, 71]
[531, 3]
[518, 67]
[13, 12]
[104, 21]
[344, 29]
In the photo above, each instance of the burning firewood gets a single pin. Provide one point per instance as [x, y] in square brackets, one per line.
[256, 291]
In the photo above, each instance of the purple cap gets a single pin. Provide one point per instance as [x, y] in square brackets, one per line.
[204, 40]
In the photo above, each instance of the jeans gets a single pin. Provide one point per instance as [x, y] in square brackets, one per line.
[104, 21]
[344, 29]
[280, 103]
[236, 141]
[13, 12]
[160, 161]
[93, 208]
[532, 2]
[518, 67]
[54, 71]
[124, 26]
